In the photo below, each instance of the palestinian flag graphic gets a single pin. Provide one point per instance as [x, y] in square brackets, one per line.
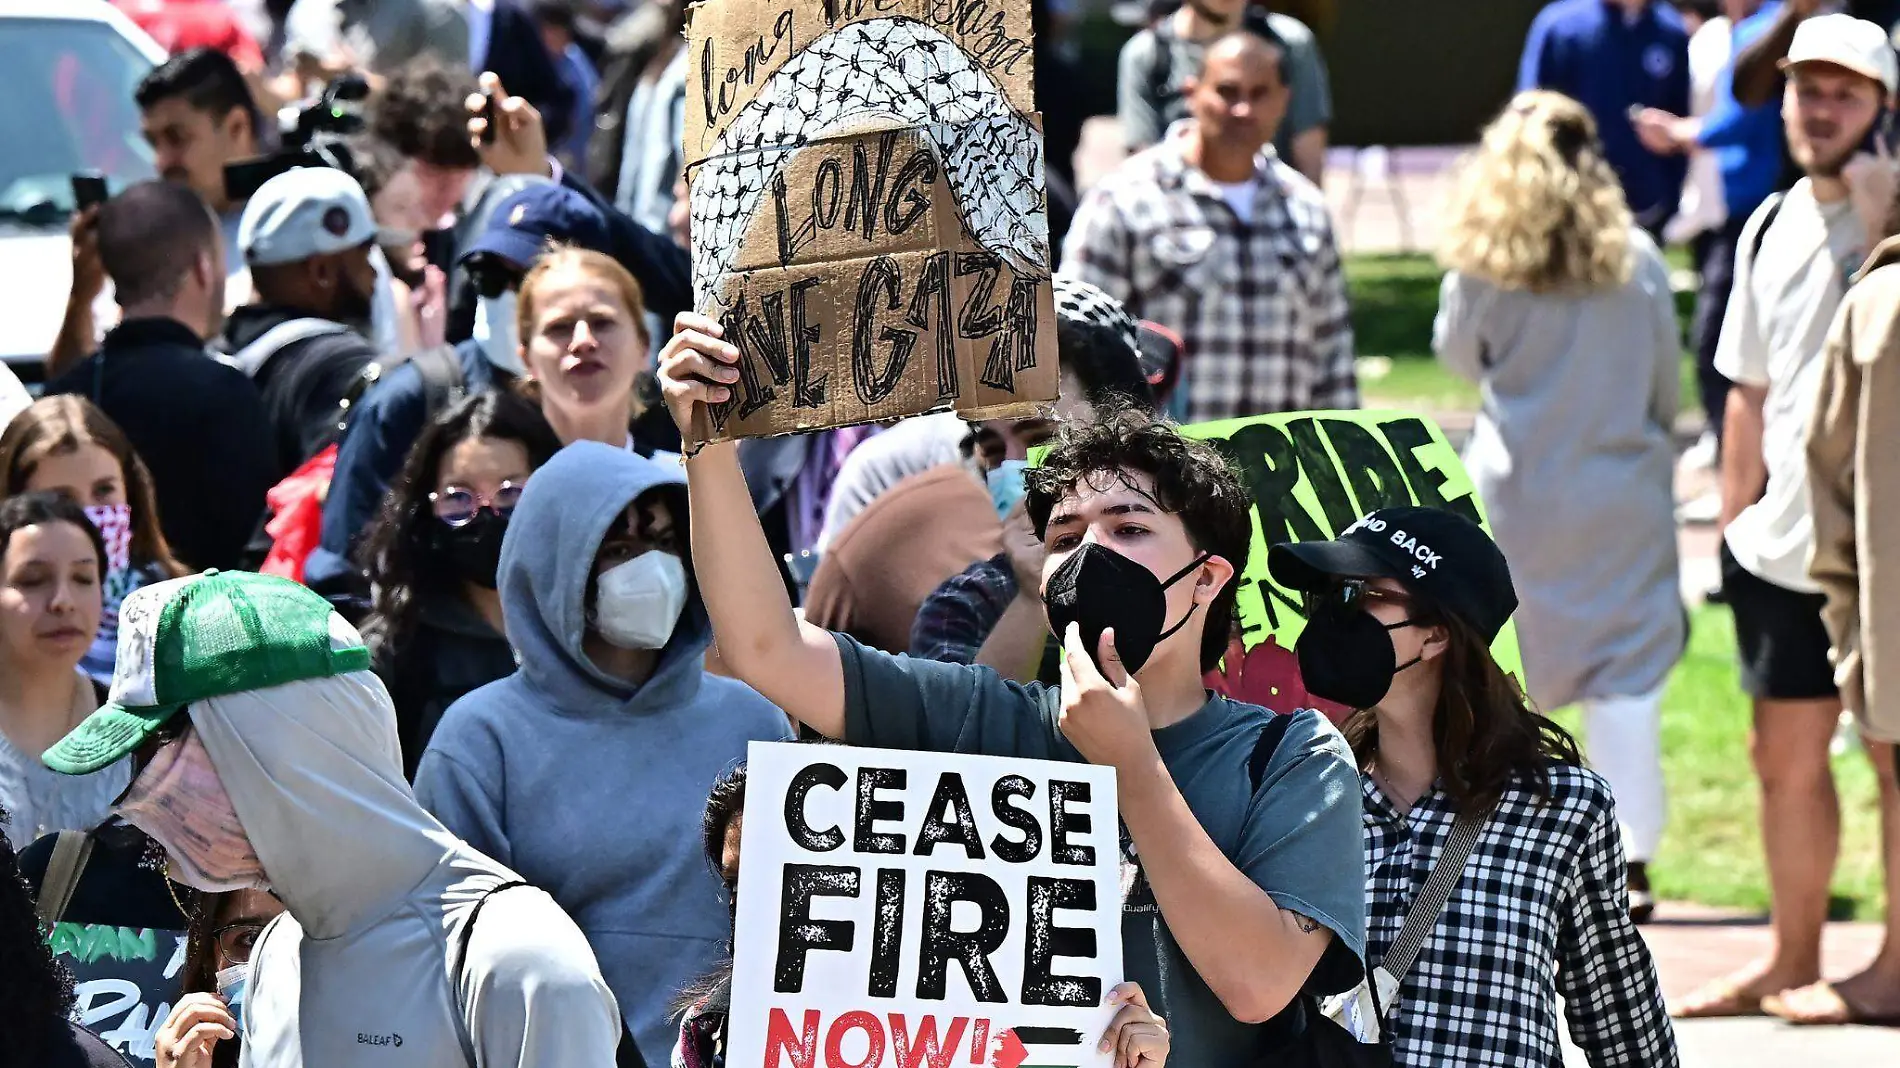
[1038, 1047]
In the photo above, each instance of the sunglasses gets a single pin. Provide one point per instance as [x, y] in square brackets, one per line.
[458, 505]
[1347, 596]
[494, 276]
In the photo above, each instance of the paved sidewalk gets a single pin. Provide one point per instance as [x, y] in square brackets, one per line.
[1693, 944]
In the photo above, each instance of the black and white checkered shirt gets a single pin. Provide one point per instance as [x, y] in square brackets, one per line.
[1260, 304]
[1540, 911]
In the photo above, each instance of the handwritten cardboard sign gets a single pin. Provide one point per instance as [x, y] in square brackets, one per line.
[918, 910]
[125, 981]
[1312, 474]
[868, 221]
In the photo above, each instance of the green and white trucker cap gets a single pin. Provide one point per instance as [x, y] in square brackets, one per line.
[208, 635]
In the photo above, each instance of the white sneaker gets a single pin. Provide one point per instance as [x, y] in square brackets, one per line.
[1701, 455]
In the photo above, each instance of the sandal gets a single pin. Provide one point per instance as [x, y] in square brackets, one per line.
[1821, 1005]
[1720, 998]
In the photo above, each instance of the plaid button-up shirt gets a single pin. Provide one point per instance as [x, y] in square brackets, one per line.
[1541, 911]
[1261, 303]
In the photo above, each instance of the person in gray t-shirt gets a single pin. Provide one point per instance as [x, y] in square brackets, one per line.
[1157, 63]
[1238, 898]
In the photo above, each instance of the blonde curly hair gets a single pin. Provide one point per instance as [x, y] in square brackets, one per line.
[1537, 206]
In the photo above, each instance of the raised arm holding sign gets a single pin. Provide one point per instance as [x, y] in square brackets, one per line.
[1232, 903]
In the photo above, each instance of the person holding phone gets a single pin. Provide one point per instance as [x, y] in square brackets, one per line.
[1744, 143]
[197, 113]
[1798, 253]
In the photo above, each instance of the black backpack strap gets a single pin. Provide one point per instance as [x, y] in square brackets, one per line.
[468, 926]
[1163, 66]
[442, 381]
[627, 1055]
[1770, 208]
[1264, 746]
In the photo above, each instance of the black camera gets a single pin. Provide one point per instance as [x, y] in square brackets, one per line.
[312, 136]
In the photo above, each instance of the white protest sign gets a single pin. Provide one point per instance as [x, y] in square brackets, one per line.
[923, 910]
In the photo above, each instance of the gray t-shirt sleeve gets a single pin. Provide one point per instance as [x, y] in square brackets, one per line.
[1136, 106]
[896, 702]
[1303, 840]
[1311, 103]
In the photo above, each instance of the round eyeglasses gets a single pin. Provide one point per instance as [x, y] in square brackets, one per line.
[458, 505]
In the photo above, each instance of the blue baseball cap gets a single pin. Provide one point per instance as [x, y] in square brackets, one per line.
[522, 226]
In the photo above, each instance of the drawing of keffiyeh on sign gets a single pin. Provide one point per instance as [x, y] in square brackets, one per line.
[867, 210]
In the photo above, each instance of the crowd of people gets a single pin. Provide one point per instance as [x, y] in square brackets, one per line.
[363, 578]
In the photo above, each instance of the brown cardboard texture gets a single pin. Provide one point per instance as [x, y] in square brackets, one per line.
[735, 47]
[868, 217]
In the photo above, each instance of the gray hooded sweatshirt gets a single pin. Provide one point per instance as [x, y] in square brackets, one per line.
[590, 787]
[358, 971]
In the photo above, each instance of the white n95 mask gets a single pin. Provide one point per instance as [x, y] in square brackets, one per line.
[385, 325]
[496, 333]
[637, 604]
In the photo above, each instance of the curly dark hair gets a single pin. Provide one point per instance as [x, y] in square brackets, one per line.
[1485, 731]
[35, 988]
[726, 800]
[400, 553]
[1191, 480]
[422, 113]
[723, 805]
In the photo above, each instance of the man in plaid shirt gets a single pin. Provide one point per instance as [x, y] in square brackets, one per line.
[1209, 234]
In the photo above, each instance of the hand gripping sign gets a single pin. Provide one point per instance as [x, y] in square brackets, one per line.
[868, 221]
[924, 910]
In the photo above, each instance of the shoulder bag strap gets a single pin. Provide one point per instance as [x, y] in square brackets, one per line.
[1423, 915]
[626, 1056]
[70, 852]
[460, 961]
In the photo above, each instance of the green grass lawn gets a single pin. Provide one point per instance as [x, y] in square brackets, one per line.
[1712, 851]
[1393, 300]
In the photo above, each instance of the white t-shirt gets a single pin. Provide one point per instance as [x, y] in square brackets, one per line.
[1239, 196]
[1778, 317]
[1702, 207]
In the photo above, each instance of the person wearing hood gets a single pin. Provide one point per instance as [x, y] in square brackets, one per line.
[265, 756]
[393, 412]
[584, 769]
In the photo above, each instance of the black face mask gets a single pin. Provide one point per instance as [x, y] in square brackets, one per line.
[1099, 589]
[1348, 657]
[473, 549]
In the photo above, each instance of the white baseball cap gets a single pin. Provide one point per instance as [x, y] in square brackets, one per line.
[1845, 41]
[305, 212]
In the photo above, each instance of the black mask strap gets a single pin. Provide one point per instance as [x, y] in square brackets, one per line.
[1172, 579]
[1401, 624]
[1181, 574]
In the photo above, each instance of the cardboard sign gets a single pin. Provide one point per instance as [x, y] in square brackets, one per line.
[126, 981]
[918, 910]
[1312, 474]
[868, 222]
